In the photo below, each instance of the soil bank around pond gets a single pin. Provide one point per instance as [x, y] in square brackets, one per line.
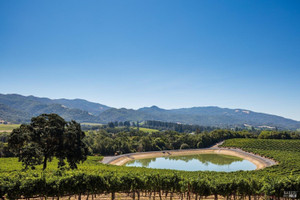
[260, 162]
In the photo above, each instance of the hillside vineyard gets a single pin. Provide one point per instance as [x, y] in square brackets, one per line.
[92, 178]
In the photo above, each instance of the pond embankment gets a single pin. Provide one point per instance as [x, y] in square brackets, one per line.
[260, 162]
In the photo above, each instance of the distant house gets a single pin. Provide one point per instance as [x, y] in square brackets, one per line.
[3, 121]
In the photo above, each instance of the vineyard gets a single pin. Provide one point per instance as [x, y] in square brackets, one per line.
[93, 178]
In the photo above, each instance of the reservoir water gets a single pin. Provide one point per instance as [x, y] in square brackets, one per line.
[199, 162]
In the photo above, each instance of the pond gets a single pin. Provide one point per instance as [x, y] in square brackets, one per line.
[199, 162]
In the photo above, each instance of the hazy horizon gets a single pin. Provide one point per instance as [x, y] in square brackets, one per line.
[172, 54]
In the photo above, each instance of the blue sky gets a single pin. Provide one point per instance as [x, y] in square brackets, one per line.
[171, 53]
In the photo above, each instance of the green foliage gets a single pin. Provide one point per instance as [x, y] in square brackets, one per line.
[264, 144]
[278, 135]
[31, 155]
[113, 141]
[181, 128]
[48, 136]
[92, 177]
[73, 147]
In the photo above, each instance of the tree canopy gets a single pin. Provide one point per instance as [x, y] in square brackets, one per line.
[48, 136]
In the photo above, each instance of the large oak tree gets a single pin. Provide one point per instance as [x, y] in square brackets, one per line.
[48, 136]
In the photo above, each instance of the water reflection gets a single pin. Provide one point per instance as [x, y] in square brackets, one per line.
[202, 162]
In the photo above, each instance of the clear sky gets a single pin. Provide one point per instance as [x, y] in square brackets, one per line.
[169, 53]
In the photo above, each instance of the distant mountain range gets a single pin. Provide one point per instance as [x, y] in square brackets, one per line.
[18, 109]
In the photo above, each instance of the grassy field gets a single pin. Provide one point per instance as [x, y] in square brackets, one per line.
[148, 130]
[12, 165]
[8, 127]
[90, 124]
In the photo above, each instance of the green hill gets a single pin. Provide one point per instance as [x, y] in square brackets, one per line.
[17, 108]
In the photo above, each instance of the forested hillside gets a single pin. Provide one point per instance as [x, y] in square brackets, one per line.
[204, 116]
[17, 108]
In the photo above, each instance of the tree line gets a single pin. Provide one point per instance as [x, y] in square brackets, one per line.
[178, 127]
[120, 139]
[105, 143]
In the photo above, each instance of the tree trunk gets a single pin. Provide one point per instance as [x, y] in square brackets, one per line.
[113, 196]
[45, 163]
[139, 195]
[216, 197]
